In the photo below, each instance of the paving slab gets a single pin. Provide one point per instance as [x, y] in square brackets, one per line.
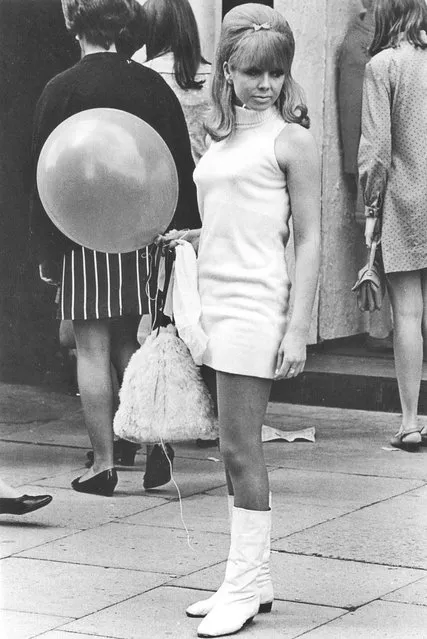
[71, 509]
[25, 625]
[199, 512]
[161, 613]
[210, 513]
[61, 634]
[345, 492]
[415, 593]
[192, 476]
[346, 479]
[382, 537]
[344, 457]
[70, 430]
[25, 464]
[17, 535]
[71, 590]
[137, 548]
[313, 580]
[379, 620]
[349, 441]
[22, 404]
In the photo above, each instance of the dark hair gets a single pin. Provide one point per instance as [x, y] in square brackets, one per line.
[395, 19]
[171, 27]
[103, 22]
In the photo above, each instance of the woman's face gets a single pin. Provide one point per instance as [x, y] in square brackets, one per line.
[258, 89]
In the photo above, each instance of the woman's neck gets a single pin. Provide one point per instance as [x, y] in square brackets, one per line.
[87, 47]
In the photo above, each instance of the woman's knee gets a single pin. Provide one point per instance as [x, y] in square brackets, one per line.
[92, 339]
[238, 459]
[406, 296]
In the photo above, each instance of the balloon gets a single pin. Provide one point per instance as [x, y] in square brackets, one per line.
[107, 180]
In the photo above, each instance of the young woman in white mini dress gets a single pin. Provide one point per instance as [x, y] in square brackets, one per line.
[261, 167]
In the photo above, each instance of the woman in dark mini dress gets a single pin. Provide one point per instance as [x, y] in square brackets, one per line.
[104, 294]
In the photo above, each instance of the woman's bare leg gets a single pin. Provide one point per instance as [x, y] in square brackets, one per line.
[242, 403]
[124, 342]
[406, 294]
[209, 377]
[424, 323]
[96, 389]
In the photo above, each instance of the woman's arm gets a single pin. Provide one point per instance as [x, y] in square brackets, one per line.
[374, 157]
[298, 157]
[46, 241]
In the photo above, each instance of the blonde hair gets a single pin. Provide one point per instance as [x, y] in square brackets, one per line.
[258, 36]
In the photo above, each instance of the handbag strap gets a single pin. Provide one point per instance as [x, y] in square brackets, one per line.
[372, 252]
[169, 260]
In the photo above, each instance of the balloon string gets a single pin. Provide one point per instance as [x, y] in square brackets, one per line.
[151, 259]
[179, 496]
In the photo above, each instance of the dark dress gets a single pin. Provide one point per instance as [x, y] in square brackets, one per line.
[97, 285]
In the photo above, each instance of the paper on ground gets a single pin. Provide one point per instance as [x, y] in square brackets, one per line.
[270, 434]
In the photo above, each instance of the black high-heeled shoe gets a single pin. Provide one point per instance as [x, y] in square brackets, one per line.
[158, 467]
[103, 483]
[23, 504]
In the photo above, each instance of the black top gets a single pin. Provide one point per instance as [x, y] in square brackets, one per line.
[109, 80]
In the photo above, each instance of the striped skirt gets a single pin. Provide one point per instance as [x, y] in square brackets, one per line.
[99, 285]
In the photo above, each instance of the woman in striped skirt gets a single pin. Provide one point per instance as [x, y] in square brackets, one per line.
[105, 294]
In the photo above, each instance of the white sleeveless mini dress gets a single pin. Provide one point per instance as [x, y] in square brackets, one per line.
[243, 279]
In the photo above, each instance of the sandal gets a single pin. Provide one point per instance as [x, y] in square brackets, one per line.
[409, 440]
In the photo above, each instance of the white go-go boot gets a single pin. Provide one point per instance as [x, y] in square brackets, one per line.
[264, 583]
[240, 600]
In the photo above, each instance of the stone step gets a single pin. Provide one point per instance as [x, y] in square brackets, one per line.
[360, 381]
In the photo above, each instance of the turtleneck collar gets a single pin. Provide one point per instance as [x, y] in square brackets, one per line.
[247, 118]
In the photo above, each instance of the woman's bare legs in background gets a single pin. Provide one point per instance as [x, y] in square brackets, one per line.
[100, 343]
[408, 294]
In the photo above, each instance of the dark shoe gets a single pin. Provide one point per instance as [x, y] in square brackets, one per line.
[380, 344]
[158, 469]
[409, 440]
[24, 504]
[207, 443]
[103, 483]
[123, 451]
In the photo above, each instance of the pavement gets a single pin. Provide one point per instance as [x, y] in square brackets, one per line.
[349, 544]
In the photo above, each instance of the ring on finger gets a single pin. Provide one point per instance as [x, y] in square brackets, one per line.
[291, 371]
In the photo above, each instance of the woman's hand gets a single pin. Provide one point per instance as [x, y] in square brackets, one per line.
[49, 273]
[170, 239]
[371, 230]
[291, 356]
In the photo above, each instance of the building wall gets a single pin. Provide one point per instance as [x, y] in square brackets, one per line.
[319, 27]
[342, 241]
[208, 15]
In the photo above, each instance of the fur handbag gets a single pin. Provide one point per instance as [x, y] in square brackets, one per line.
[370, 285]
[163, 396]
